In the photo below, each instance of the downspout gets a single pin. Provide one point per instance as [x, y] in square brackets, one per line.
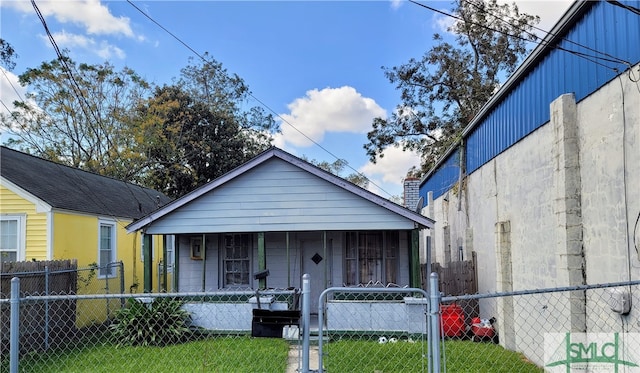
[461, 172]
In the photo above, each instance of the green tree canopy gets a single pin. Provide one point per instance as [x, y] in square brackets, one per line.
[7, 55]
[82, 119]
[442, 91]
[197, 129]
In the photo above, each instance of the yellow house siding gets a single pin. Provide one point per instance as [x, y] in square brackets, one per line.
[76, 237]
[36, 223]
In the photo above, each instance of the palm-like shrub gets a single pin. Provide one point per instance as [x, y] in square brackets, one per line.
[158, 323]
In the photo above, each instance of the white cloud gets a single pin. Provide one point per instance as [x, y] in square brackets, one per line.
[393, 166]
[391, 169]
[549, 12]
[93, 16]
[75, 41]
[341, 110]
[10, 89]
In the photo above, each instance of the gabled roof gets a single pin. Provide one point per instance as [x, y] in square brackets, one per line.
[276, 153]
[68, 188]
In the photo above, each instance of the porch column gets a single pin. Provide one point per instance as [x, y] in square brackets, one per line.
[262, 260]
[414, 260]
[164, 261]
[148, 270]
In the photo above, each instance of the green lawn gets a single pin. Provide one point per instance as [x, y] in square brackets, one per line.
[461, 356]
[238, 354]
[246, 354]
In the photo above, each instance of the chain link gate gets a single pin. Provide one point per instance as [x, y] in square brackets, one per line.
[373, 330]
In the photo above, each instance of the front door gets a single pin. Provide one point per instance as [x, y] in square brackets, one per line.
[315, 260]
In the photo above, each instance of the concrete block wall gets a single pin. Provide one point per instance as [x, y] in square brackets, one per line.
[570, 193]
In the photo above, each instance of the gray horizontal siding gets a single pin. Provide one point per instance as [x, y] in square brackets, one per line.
[278, 196]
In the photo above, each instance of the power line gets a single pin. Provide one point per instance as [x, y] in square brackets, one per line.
[610, 58]
[625, 6]
[4, 72]
[82, 100]
[587, 57]
[258, 100]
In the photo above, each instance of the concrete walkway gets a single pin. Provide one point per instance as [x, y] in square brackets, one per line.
[295, 359]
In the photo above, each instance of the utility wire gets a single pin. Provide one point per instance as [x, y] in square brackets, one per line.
[259, 101]
[4, 72]
[625, 6]
[610, 57]
[587, 57]
[78, 93]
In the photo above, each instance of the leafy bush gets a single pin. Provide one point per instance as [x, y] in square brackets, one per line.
[158, 323]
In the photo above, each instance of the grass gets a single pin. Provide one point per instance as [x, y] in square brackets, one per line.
[461, 356]
[246, 354]
[237, 354]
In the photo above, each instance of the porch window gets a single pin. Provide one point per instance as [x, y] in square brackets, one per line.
[106, 249]
[371, 257]
[236, 262]
[11, 238]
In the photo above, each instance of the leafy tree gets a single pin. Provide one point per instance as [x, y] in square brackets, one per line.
[7, 55]
[197, 130]
[83, 120]
[446, 88]
[337, 167]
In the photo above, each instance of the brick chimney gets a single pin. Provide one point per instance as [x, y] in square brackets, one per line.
[411, 192]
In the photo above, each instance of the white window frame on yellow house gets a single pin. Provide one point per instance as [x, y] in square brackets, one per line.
[20, 236]
[109, 271]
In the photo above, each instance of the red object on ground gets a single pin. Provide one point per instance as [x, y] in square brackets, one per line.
[452, 319]
[480, 330]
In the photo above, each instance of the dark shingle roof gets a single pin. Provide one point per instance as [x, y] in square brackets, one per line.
[69, 188]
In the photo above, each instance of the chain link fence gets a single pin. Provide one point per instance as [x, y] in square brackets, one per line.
[591, 328]
[584, 328]
[373, 330]
[161, 332]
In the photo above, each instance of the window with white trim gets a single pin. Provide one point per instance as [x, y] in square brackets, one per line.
[236, 263]
[12, 238]
[106, 248]
[371, 257]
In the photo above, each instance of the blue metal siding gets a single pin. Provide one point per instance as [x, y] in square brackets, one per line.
[606, 28]
[443, 178]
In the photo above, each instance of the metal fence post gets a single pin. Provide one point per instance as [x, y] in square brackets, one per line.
[14, 330]
[434, 330]
[306, 316]
[46, 308]
[121, 268]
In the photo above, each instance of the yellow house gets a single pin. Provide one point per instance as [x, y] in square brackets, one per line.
[50, 211]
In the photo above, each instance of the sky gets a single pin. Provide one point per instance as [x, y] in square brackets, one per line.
[315, 65]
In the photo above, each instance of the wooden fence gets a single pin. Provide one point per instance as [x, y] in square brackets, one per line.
[457, 278]
[45, 323]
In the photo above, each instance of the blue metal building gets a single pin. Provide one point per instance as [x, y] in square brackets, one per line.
[594, 42]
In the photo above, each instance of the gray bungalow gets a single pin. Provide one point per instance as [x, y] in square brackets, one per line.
[280, 213]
